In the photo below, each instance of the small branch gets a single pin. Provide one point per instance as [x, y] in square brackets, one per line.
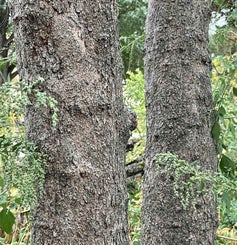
[9, 40]
[130, 145]
[134, 172]
[134, 168]
[227, 238]
[136, 161]
[11, 68]
[25, 211]
[14, 74]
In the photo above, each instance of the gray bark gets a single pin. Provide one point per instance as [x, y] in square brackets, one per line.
[179, 119]
[4, 42]
[74, 46]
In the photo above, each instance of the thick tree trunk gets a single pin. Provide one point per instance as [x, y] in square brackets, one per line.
[179, 119]
[74, 46]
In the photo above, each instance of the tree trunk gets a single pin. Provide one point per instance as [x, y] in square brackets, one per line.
[179, 119]
[4, 46]
[74, 46]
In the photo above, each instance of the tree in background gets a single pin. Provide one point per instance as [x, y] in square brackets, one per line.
[223, 39]
[70, 51]
[180, 117]
[6, 38]
[21, 166]
[132, 16]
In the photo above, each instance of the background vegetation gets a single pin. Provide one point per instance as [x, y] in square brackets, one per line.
[22, 168]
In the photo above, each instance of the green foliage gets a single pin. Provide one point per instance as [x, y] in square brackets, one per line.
[132, 15]
[232, 17]
[227, 166]
[190, 181]
[224, 78]
[225, 100]
[223, 41]
[17, 155]
[224, 131]
[135, 97]
[223, 3]
[134, 213]
[135, 101]
[42, 99]
[22, 167]
[7, 220]
[224, 81]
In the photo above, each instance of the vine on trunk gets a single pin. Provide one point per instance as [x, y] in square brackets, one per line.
[190, 182]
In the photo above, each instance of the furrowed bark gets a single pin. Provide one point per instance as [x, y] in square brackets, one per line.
[4, 18]
[74, 46]
[179, 119]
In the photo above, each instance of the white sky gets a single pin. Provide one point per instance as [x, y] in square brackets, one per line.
[218, 20]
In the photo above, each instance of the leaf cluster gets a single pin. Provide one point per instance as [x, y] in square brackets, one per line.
[132, 16]
[22, 167]
[190, 181]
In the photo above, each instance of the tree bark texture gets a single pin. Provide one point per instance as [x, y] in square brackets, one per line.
[4, 46]
[74, 46]
[179, 119]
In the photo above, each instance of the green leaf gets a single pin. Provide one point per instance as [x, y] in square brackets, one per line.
[1, 182]
[224, 146]
[216, 130]
[3, 200]
[201, 186]
[231, 128]
[7, 220]
[235, 91]
[221, 111]
[226, 165]
[226, 199]
[18, 201]
[16, 146]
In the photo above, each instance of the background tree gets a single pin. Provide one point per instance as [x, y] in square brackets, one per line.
[21, 165]
[70, 51]
[223, 38]
[132, 16]
[6, 39]
[180, 117]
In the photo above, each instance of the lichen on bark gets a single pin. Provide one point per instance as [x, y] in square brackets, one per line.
[74, 45]
[179, 119]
